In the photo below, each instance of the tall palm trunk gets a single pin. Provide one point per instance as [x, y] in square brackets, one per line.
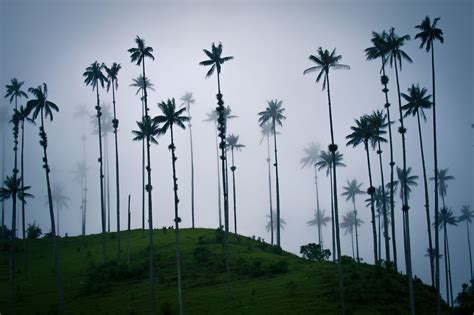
[101, 174]
[333, 149]
[14, 227]
[277, 183]
[219, 201]
[23, 203]
[192, 164]
[352, 243]
[392, 165]
[115, 123]
[470, 254]
[107, 178]
[129, 216]
[427, 201]
[405, 207]
[446, 268]
[450, 274]
[384, 205]
[176, 220]
[143, 169]
[333, 225]
[318, 211]
[270, 186]
[57, 267]
[233, 168]
[356, 230]
[3, 178]
[57, 217]
[84, 189]
[372, 209]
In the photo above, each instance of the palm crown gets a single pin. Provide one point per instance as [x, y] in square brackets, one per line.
[312, 155]
[325, 61]
[187, 99]
[443, 178]
[13, 187]
[170, 116]
[326, 161]
[352, 189]
[233, 142]
[417, 101]
[446, 217]
[112, 74]
[139, 53]
[94, 75]
[349, 222]
[396, 54]
[378, 121]
[148, 128]
[269, 224]
[215, 59]
[364, 131]
[141, 82]
[402, 178]
[466, 214]
[379, 48]
[429, 33]
[273, 113]
[14, 89]
[319, 218]
[41, 103]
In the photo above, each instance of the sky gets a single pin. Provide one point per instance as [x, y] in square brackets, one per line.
[54, 41]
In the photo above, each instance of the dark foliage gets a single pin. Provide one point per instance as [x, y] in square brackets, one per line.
[33, 231]
[315, 252]
[465, 300]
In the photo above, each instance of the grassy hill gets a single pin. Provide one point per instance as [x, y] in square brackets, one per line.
[265, 279]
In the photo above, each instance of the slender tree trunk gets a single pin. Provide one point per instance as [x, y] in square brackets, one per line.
[192, 164]
[449, 271]
[372, 209]
[470, 253]
[143, 169]
[334, 253]
[13, 253]
[384, 205]
[129, 225]
[427, 201]
[270, 185]
[356, 229]
[23, 202]
[115, 123]
[219, 202]
[57, 267]
[352, 243]
[379, 235]
[333, 150]
[277, 184]
[233, 168]
[318, 211]
[446, 264]
[405, 202]
[3, 178]
[107, 178]
[57, 216]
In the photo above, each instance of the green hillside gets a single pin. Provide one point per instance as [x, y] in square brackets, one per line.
[265, 280]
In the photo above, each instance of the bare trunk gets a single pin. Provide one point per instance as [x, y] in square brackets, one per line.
[219, 202]
[270, 186]
[129, 225]
[277, 185]
[117, 170]
[356, 229]
[192, 165]
[233, 192]
[372, 209]
[384, 204]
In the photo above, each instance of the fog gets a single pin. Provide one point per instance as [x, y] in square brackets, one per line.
[54, 41]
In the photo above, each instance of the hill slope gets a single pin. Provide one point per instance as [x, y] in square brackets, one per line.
[265, 280]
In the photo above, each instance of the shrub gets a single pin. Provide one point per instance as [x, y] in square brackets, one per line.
[33, 231]
[315, 252]
[465, 300]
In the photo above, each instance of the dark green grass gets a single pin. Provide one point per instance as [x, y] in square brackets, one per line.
[260, 283]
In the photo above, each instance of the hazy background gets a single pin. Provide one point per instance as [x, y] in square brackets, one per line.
[54, 41]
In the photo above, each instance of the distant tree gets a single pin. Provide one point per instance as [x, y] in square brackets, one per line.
[266, 131]
[443, 179]
[268, 227]
[465, 299]
[274, 114]
[60, 198]
[314, 252]
[405, 179]
[33, 231]
[467, 215]
[350, 192]
[320, 219]
[446, 217]
[42, 107]
[188, 100]
[234, 145]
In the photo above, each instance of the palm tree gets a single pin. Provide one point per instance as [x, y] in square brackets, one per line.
[324, 62]
[349, 223]
[13, 189]
[95, 77]
[377, 119]
[395, 57]
[172, 117]
[14, 91]
[467, 215]
[380, 49]
[405, 179]
[60, 199]
[428, 34]
[267, 130]
[269, 226]
[381, 198]
[417, 102]
[43, 107]
[351, 191]
[148, 129]
[320, 219]
[112, 74]
[233, 144]
[3, 123]
[326, 162]
[188, 100]
[443, 178]
[364, 132]
[312, 156]
[274, 114]
[446, 217]
[140, 83]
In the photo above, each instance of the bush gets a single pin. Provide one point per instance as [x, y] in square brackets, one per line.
[314, 252]
[33, 231]
[465, 300]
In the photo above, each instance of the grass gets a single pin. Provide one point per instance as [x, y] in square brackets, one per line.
[264, 279]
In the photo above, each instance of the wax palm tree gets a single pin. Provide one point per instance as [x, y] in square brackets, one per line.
[172, 117]
[319, 219]
[274, 114]
[14, 91]
[404, 177]
[213, 117]
[266, 131]
[350, 192]
[269, 226]
[395, 57]
[234, 145]
[15, 121]
[443, 179]
[349, 223]
[417, 102]
[326, 162]
[3, 123]
[188, 100]
[96, 78]
[13, 188]
[467, 215]
[112, 74]
[429, 33]
[140, 83]
[381, 198]
[42, 107]
[325, 61]
[446, 217]
[380, 49]
[312, 155]
[148, 129]
[60, 199]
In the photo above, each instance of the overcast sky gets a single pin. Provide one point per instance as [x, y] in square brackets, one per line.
[54, 41]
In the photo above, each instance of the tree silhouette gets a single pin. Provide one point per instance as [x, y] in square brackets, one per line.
[42, 107]
[269, 226]
[417, 102]
[443, 179]
[428, 34]
[3, 123]
[95, 77]
[266, 131]
[349, 224]
[319, 219]
[112, 74]
[274, 114]
[324, 62]
[172, 117]
[467, 215]
[188, 100]
[405, 179]
[60, 199]
[350, 192]
[234, 145]
[446, 217]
